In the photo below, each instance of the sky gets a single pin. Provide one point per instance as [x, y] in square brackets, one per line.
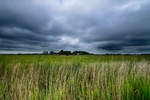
[96, 26]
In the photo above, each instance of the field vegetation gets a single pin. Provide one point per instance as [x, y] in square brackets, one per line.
[91, 77]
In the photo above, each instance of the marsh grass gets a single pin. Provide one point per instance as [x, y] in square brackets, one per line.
[74, 77]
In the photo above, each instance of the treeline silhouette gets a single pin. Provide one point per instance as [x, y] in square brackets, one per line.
[62, 52]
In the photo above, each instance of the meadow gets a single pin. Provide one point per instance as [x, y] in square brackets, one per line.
[86, 77]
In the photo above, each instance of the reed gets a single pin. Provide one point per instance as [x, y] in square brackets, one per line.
[39, 77]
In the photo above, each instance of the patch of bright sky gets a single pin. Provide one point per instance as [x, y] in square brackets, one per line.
[69, 40]
[132, 5]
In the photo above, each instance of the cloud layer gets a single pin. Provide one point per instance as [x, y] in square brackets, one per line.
[98, 26]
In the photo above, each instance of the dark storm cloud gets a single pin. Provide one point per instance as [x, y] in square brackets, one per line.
[22, 13]
[96, 26]
[121, 44]
[111, 47]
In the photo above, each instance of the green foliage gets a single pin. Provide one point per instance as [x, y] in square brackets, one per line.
[43, 77]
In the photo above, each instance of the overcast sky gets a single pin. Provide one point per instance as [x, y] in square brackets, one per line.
[97, 26]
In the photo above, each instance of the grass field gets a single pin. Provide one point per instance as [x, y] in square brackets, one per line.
[43, 77]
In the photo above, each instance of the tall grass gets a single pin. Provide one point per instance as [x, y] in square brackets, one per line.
[74, 77]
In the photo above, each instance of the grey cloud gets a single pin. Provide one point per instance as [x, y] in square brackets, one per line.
[117, 26]
[22, 13]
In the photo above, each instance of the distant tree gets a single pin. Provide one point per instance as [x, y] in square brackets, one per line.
[52, 53]
[45, 52]
[62, 52]
[80, 53]
[67, 53]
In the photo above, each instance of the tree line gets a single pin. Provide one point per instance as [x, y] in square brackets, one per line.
[62, 52]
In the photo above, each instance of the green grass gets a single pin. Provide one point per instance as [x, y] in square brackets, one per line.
[43, 77]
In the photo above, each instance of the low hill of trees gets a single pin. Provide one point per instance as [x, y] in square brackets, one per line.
[62, 52]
